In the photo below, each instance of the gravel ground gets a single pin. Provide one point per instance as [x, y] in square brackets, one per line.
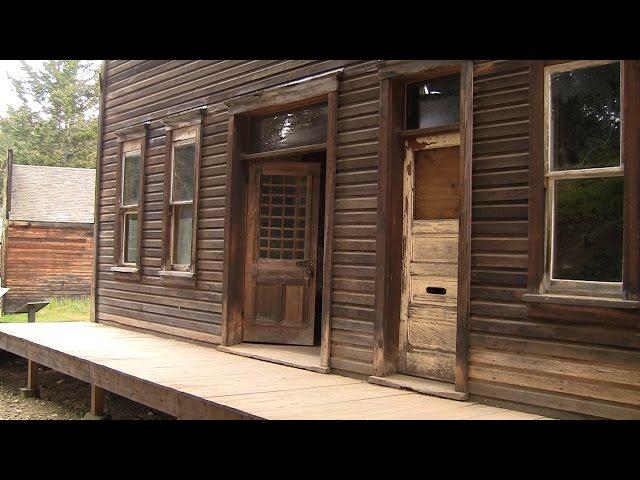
[62, 397]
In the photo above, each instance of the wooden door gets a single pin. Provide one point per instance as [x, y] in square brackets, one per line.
[282, 246]
[428, 312]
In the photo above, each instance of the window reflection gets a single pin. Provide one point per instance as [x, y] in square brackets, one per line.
[586, 117]
[303, 126]
[433, 103]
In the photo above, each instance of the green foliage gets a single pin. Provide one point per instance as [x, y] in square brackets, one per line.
[589, 229]
[57, 121]
[58, 310]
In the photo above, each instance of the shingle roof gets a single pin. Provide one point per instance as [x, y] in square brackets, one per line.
[52, 194]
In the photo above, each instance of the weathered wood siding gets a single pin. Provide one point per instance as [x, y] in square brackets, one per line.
[42, 262]
[577, 359]
[138, 91]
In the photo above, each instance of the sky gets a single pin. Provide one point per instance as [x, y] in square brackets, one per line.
[7, 94]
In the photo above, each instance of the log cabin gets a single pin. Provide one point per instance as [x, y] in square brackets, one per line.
[468, 229]
[47, 234]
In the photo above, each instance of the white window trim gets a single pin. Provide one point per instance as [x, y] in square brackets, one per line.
[550, 284]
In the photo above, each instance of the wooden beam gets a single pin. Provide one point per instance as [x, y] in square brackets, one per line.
[97, 401]
[285, 152]
[234, 226]
[304, 91]
[93, 315]
[535, 269]
[407, 68]
[8, 183]
[31, 390]
[464, 240]
[329, 215]
[388, 230]
[631, 159]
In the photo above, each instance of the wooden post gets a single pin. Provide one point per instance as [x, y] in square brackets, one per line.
[96, 411]
[31, 389]
[97, 401]
[31, 314]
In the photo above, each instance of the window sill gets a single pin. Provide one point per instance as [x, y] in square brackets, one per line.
[580, 300]
[176, 273]
[122, 269]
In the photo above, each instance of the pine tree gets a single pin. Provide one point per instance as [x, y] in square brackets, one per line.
[57, 120]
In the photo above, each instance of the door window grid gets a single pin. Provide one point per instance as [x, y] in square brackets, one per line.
[283, 217]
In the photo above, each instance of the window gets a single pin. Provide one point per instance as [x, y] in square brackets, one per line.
[294, 128]
[129, 192]
[182, 180]
[182, 166]
[584, 178]
[433, 103]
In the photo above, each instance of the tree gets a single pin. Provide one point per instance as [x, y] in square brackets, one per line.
[57, 120]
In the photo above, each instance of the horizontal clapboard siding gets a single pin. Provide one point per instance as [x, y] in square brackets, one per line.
[42, 262]
[354, 244]
[138, 91]
[584, 360]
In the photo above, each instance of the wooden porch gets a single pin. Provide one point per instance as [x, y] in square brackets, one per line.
[196, 382]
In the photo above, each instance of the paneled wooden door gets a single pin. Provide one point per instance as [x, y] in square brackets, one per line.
[429, 293]
[282, 245]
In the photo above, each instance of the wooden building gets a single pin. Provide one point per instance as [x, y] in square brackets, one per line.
[47, 246]
[461, 228]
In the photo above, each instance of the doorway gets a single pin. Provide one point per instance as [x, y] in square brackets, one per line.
[428, 308]
[424, 248]
[278, 309]
[283, 252]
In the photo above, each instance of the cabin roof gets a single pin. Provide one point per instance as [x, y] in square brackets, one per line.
[52, 194]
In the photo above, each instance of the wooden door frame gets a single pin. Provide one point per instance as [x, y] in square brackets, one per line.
[394, 77]
[317, 89]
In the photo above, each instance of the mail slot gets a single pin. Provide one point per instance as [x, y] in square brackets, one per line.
[436, 290]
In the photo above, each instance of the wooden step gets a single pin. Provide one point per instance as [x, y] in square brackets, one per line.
[420, 385]
[307, 358]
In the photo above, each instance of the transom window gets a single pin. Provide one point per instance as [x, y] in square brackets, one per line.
[433, 103]
[584, 178]
[287, 129]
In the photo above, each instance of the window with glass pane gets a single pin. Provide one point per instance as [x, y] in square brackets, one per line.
[131, 179]
[433, 103]
[302, 126]
[131, 238]
[584, 173]
[182, 233]
[182, 182]
[586, 117]
[587, 230]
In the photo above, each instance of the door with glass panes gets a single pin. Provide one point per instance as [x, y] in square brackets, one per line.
[280, 271]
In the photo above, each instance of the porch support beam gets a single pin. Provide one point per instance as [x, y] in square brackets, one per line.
[31, 390]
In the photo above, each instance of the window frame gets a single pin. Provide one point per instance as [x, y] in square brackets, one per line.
[181, 129]
[576, 292]
[567, 286]
[131, 141]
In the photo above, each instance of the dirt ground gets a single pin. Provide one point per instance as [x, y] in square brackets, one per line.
[61, 397]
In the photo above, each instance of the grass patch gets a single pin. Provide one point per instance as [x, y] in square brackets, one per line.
[58, 310]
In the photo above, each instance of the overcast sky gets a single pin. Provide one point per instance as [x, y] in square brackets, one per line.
[7, 94]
